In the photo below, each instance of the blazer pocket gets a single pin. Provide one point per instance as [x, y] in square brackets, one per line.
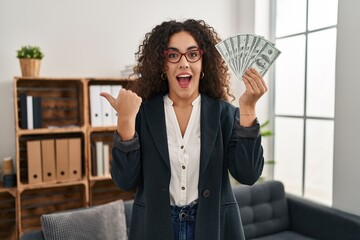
[230, 222]
[137, 227]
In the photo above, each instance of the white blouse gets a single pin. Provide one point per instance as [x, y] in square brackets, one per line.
[184, 153]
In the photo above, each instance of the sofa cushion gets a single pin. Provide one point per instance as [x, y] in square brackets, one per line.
[263, 208]
[103, 222]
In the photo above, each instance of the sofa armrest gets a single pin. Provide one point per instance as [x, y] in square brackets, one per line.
[322, 222]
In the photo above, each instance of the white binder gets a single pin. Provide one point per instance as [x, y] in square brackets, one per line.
[106, 153]
[99, 158]
[30, 118]
[106, 107]
[115, 89]
[95, 105]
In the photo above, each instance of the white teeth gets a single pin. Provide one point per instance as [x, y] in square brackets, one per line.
[184, 75]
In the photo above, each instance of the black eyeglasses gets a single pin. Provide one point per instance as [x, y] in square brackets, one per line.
[174, 56]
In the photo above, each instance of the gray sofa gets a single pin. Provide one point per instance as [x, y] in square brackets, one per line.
[269, 214]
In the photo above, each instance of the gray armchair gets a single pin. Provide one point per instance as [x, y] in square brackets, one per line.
[268, 213]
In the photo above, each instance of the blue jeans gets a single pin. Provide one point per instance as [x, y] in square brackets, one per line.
[183, 219]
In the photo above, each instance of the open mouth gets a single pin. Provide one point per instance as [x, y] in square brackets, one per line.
[184, 80]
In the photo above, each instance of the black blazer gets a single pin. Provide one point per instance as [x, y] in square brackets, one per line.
[143, 163]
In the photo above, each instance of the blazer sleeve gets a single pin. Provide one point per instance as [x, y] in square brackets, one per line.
[244, 152]
[126, 162]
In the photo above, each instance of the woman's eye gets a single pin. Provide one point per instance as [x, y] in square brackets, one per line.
[193, 54]
[172, 55]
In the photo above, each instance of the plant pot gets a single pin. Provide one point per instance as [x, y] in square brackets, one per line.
[30, 67]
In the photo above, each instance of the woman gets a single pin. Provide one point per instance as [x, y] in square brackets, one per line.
[178, 137]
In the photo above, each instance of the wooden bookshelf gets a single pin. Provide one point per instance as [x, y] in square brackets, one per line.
[8, 226]
[65, 114]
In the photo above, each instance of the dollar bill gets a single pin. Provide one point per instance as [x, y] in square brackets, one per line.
[265, 59]
[258, 47]
[222, 49]
[241, 39]
[243, 51]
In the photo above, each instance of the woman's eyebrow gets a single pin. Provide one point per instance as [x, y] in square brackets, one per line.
[189, 48]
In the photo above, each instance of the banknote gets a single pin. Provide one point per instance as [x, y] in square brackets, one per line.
[244, 51]
[265, 59]
[224, 52]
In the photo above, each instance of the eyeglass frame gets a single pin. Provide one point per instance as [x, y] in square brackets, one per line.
[183, 54]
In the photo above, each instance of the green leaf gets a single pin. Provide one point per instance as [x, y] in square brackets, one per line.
[266, 133]
[30, 52]
[265, 124]
[272, 162]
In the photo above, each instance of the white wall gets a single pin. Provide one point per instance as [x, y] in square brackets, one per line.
[94, 38]
[346, 194]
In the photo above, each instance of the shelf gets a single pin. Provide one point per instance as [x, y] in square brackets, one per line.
[97, 142]
[50, 130]
[63, 183]
[63, 105]
[99, 178]
[12, 190]
[104, 191]
[110, 80]
[45, 78]
[60, 102]
[22, 159]
[102, 129]
[36, 202]
[7, 216]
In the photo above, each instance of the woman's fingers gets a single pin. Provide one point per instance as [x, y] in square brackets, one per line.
[255, 87]
[126, 104]
[254, 82]
[109, 98]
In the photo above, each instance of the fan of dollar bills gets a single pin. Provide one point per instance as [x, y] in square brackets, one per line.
[244, 51]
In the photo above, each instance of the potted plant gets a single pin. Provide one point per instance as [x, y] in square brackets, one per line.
[30, 58]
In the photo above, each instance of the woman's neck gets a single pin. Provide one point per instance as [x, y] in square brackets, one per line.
[183, 102]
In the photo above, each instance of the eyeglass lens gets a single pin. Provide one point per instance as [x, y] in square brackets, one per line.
[175, 56]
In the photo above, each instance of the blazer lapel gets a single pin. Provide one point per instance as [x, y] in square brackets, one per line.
[210, 115]
[155, 118]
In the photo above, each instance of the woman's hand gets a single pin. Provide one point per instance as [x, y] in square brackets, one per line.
[127, 105]
[255, 89]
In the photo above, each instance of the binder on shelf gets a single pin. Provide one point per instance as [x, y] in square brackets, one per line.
[48, 160]
[95, 106]
[115, 89]
[99, 158]
[75, 158]
[111, 145]
[105, 107]
[37, 112]
[29, 105]
[93, 160]
[23, 111]
[34, 161]
[62, 159]
[106, 159]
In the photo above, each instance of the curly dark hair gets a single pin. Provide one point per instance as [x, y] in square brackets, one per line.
[216, 81]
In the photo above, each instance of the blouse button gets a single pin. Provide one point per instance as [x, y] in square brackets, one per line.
[182, 188]
[182, 147]
[183, 167]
